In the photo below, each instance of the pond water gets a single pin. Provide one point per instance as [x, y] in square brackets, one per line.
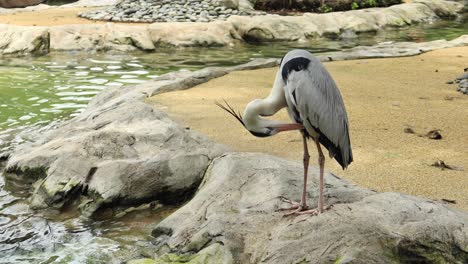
[37, 91]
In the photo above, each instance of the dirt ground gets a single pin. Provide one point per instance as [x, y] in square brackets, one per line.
[51, 17]
[382, 97]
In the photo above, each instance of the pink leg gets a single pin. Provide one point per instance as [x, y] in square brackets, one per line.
[303, 204]
[321, 160]
[306, 171]
[301, 208]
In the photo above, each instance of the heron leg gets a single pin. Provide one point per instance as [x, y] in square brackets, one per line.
[306, 159]
[321, 160]
[301, 208]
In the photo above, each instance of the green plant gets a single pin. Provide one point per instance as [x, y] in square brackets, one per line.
[370, 3]
[354, 6]
[325, 9]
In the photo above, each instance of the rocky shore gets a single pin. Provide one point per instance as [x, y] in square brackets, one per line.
[462, 81]
[122, 151]
[37, 40]
[170, 11]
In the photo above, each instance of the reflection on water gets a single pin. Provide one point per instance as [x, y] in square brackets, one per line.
[36, 91]
[51, 237]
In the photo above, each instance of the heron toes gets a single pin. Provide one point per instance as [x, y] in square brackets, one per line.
[294, 205]
[299, 209]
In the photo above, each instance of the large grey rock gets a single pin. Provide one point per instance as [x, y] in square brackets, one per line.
[274, 28]
[24, 9]
[281, 28]
[19, 3]
[193, 34]
[100, 37]
[23, 40]
[233, 218]
[119, 151]
[392, 49]
[246, 5]
[234, 4]
[91, 3]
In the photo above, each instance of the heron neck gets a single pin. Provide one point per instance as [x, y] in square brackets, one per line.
[265, 107]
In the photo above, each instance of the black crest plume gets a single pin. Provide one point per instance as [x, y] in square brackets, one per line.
[231, 111]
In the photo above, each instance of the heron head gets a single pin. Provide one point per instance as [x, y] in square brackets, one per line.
[254, 129]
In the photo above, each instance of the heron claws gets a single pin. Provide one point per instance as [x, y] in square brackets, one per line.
[286, 200]
[294, 205]
[305, 211]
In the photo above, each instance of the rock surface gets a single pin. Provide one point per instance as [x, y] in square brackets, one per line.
[395, 49]
[123, 151]
[119, 135]
[39, 40]
[462, 82]
[119, 151]
[23, 40]
[19, 3]
[100, 38]
[233, 218]
[193, 34]
[309, 25]
[91, 3]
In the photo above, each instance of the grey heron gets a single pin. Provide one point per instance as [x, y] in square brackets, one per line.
[315, 105]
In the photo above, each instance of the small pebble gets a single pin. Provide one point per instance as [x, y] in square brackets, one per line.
[434, 134]
[449, 201]
[166, 11]
[463, 76]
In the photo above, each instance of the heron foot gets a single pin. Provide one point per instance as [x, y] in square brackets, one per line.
[299, 209]
[311, 212]
[294, 205]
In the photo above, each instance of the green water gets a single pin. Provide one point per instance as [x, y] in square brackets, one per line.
[38, 91]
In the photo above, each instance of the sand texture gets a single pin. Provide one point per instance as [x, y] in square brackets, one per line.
[382, 97]
[52, 17]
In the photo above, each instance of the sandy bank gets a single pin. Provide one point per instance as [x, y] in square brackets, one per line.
[52, 17]
[382, 96]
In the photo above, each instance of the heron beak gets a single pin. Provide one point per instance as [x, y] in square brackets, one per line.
[287, 127]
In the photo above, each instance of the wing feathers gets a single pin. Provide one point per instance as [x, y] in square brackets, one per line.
[312, 93]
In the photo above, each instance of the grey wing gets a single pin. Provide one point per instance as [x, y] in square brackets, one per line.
[314, 100]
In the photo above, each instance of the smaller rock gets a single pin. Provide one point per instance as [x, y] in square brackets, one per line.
[130, 11]
[434, 134]
[442, 165]
[463, 76]
[449, 82]
[408, 130]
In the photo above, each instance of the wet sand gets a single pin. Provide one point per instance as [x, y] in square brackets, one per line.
[382, 97]
[52, 17]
